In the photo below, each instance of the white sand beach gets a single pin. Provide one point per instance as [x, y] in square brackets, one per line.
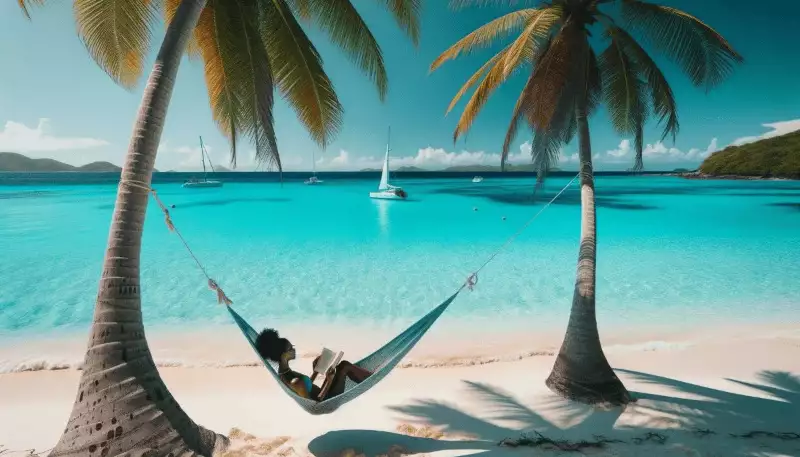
[693, 396]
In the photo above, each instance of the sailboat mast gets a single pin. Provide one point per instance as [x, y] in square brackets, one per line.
[388, 141]
[313, 163]
[203, 156]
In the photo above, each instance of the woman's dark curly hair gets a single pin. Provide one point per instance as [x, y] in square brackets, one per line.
[270, 345]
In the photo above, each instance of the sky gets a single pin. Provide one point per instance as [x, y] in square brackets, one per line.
[56, 102]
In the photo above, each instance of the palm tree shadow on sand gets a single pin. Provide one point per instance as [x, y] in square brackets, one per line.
[696, 421]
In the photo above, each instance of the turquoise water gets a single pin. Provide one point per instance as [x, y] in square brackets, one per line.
[670, 250]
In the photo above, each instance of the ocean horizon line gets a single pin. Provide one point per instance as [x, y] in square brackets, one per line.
[88, 177]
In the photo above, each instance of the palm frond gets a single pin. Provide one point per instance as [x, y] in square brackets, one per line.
[407, 15]
[553, 72]
[170, 7]
[549, 141]
[117, 35]
[475, 77]
[302, 8]
[661, 95]
[493, 78]
[638, 145]
[25, 4]
[703, 54]
[561, 79]
[623, 90]
[298, 72]
[217, 49]
[347, 29]
[536, 31]
[486, 34]
[517, 114]
[256, 85]
[594, 83]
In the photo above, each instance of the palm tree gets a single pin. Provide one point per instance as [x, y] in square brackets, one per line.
[568, 80]
[248, 48]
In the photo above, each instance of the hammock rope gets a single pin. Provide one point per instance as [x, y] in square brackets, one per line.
[222, 298]
[380, 362]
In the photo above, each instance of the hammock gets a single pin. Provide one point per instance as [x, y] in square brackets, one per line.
[380, 362]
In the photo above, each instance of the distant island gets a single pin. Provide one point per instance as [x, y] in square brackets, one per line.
[18, 163]
[777, 157]
[11, 161]
[465, 168]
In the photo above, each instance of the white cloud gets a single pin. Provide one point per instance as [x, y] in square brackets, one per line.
[657, 153]
[778, 129]
[189, 158]
[17, 137]
[429, 158]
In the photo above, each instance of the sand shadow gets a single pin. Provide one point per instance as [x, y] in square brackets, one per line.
[710, 422]
[728, 412]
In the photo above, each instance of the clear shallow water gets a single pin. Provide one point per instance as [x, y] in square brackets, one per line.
[671, 252]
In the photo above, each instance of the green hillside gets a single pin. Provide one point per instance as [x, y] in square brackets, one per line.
[777, 157]
[13, 162]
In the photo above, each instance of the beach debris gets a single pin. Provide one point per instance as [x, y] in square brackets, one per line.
[651, 436]
[422, 432]
[540, 440]
[786, 436]
[703, 432]
[239, 434]
[244, 444]
[26, 452]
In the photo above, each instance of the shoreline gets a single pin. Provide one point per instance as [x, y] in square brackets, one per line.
[225, 348]
[704, 176]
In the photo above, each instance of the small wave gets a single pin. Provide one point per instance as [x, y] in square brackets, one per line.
[44, 365]
[37, 365]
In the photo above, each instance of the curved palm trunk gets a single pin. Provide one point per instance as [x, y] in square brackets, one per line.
[122, 405]
[581, 371]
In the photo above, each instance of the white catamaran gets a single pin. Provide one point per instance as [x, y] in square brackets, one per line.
[313, 179]
[205, 182]
[387, 191]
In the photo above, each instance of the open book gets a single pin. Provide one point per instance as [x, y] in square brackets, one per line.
[327, 360]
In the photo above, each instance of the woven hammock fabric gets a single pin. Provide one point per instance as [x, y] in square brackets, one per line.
[380, 362]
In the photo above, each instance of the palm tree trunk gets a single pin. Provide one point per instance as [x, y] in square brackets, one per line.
[122, 405]
[581, 371]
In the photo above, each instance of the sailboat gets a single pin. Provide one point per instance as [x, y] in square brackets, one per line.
[313, 179]
[205, 182]
[387, 191]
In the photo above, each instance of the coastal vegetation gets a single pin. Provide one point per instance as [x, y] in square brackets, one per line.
[568, 80]
[249, 49]
[13, 162]
[777, 157]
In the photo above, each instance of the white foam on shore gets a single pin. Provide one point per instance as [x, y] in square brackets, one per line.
[448, 347]
[47, 365]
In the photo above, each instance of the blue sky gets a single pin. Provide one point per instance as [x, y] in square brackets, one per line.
[55, 102]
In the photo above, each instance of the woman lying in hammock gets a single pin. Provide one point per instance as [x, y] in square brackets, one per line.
[279, 350]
